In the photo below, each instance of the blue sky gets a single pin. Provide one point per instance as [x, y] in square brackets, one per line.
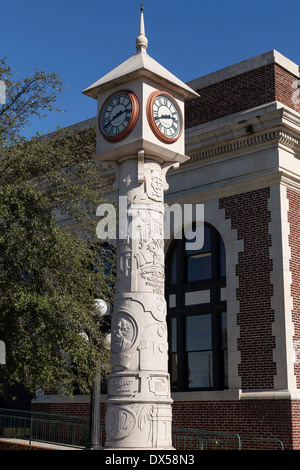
[84, 40]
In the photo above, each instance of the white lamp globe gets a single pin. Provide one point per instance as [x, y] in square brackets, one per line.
[101, 306]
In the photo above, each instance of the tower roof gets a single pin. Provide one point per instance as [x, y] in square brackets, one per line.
[139, 65]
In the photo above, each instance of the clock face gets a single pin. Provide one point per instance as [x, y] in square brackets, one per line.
[118, 115]
[164, 116]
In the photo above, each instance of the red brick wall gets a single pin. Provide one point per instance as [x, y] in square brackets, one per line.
[294, 242]
[295, 408]
[253, 88]
[283, 87]
[250, 216]
[249, 418]
[69, 409]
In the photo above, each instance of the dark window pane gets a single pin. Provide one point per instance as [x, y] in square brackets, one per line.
[224, 347]
[173, 268]
[199, 267]
[173, 335]
[200, 370]
[198, 333]
[224, 330]
[225, 367]
[173, 371]
[222, 259]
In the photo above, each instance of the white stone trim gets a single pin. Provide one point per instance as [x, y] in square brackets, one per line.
[270, 395]
[236, 395]
[281, 301]
[221, 395]
[216, 217]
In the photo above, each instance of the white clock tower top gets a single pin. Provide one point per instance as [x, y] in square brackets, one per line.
[141, 77]
[140, 64]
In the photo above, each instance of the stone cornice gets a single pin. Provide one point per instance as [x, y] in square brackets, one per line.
[272, 124]
[277, 136]
[290, 181]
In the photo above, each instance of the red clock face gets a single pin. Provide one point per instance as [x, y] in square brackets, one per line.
[118, 115]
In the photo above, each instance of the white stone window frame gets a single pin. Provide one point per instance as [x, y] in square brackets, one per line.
[215, 216]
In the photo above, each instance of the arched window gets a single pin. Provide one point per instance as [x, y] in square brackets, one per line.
[195, 293]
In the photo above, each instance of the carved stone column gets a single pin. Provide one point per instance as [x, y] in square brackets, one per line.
[139, 411]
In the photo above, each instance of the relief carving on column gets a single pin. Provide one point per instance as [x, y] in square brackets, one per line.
[149, 258]
[123, 385]
[154, 182]
[123, 421]
[159, 386]
[124, 333]
[138, 409]
[140, 425]
[153, 348]
[120, 422]
[124, 268]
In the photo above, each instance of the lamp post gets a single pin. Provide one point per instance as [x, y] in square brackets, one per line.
[94, 432]
[2, 352]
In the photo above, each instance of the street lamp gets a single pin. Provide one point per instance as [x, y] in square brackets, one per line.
[2, 353]
[101, 308]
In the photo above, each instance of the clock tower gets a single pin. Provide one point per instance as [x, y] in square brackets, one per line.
[140, 133]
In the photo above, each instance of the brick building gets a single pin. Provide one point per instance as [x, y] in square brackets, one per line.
[234, 306]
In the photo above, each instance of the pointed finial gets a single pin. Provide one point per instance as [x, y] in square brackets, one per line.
[141, 40]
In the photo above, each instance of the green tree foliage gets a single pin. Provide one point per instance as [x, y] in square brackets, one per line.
[52, 266]
[30, 97]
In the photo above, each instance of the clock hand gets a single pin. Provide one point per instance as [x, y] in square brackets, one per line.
[118, 114]
[165, 116]
[114, 117]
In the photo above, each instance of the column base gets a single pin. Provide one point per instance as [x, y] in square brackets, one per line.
[139, 426]
[94, 447]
